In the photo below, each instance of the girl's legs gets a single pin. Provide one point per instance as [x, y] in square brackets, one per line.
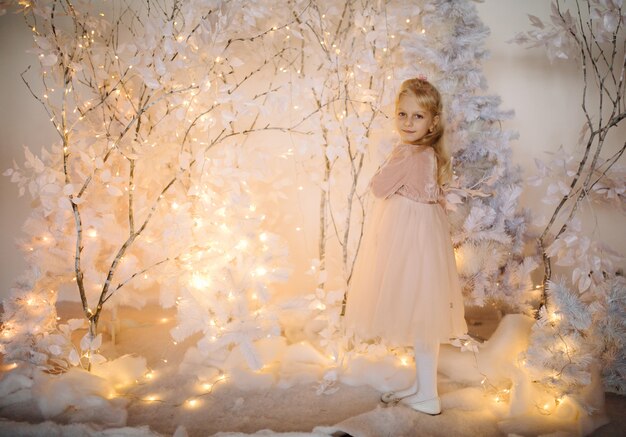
[426, 359]
[426, 400]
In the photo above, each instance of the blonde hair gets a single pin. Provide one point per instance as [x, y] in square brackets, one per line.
[428, 97]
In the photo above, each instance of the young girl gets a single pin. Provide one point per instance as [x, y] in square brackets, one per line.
[405, 286]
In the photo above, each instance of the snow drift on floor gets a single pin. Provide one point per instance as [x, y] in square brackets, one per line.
[298, 391]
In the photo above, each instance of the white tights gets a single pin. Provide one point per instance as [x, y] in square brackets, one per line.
[425, 385]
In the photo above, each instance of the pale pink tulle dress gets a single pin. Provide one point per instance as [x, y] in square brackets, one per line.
[405, 287]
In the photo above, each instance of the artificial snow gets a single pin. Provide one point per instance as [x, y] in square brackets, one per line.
[298, 391]
[77, 396]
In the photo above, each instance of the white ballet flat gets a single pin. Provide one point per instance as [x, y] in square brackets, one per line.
[429, 406]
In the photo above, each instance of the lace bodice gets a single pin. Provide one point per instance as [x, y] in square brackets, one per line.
[410, 171]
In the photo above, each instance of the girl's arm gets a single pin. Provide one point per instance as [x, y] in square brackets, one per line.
[390, 177]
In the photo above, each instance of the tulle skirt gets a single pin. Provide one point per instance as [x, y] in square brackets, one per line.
[405, 287]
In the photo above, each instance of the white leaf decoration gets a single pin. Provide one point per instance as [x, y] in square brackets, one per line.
[236, 62]
[610, 21]
[48, 60]
[68, 189]
[454, 198]
[570, 239]
[184, 160]
[73, 358]
[148, 77]
[249, 352]
[105, 176]
[335, 296]
[536, 21]
[85, 342]
[114, 191]
[42, 42]
[97, 359]
[96, 343]
[564, 189]
[227, 116]
[584, 283]
[75, 324]
[63, 203]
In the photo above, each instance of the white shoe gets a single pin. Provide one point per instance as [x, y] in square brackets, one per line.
[429, 406]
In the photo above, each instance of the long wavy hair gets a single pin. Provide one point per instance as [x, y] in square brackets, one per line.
[428, 97]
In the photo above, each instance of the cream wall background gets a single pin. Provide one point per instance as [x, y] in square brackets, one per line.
[545, 97]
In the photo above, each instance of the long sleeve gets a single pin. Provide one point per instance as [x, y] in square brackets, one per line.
[391, 175]
[410, 171]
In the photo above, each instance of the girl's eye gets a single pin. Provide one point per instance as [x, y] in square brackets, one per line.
[418, 116]
[401, 114]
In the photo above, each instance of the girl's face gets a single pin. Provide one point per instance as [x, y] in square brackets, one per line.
[412, 120]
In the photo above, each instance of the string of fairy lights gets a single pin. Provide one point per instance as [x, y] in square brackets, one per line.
[204, 389]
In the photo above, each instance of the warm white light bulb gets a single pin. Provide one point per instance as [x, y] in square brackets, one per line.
[199, 281]
[192, 403]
